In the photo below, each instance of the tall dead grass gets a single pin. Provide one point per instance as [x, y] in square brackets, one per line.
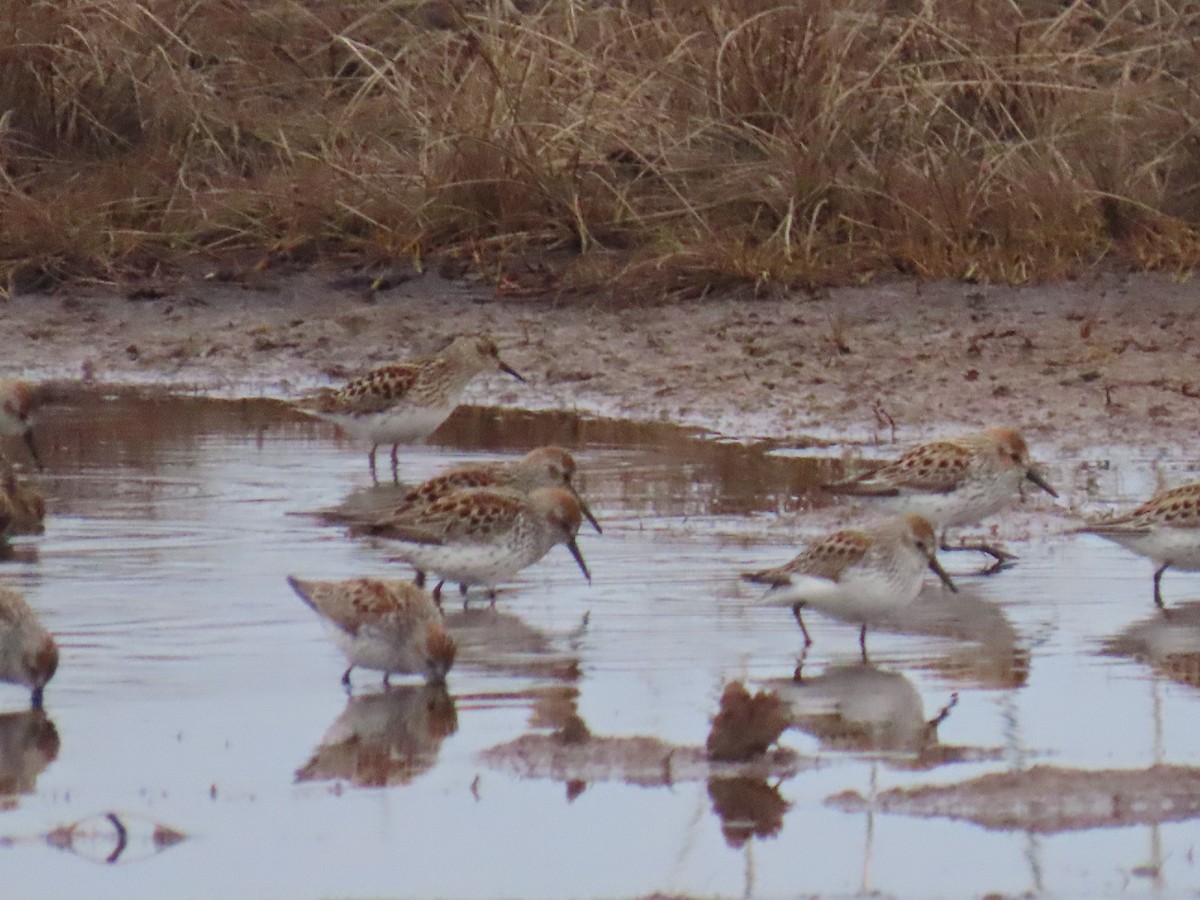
[661, 146]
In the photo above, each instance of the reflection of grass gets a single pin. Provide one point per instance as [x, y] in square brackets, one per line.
[668, 145]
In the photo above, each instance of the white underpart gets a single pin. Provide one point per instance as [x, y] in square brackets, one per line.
[1177, 547]
[372, 649]
[475, 563]
[14, 640]
[403, 424]
[975, 499]
[877, 587]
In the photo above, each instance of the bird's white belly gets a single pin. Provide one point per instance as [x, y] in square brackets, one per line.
[485, 564]
[372, 651]
[1178, 547]
[11, 426]
[858, 596]
[405, 424]
[867, 596]
[964, 506]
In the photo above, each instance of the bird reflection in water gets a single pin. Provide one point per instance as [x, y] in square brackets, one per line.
[986, 651]
[389, 738]
[868, 710]
[1170, 645]
[28, 744]
[747, 808]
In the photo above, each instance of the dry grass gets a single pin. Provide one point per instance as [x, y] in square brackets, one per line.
[657, 147]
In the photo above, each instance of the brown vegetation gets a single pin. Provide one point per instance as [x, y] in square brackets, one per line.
[671, 145]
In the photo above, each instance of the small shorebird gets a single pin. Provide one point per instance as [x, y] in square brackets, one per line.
[405, 402]
[22, 508]
[541, 467]
[485, 536]
[391, 626]
[18, 402]
[957, 481]
[28, 654]
[1166, 529]
[860, 575]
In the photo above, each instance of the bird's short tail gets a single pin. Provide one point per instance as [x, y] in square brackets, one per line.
[303, 590]
[768, 577]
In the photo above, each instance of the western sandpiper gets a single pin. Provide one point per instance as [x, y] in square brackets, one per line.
[542, 467]
[28, 654]
[1166, 529]
[860, 575]
[21, 506]
[957, 481]
[18, 402]
[405, 402]
[391, 626]
[485, 536]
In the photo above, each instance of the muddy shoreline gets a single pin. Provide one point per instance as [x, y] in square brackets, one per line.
[1074, 365]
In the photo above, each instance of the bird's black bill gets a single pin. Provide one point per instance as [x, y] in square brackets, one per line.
[32, 447]
[1041, 482]
[587, 514]
[574, 548]
[505, 367]
[936, 567]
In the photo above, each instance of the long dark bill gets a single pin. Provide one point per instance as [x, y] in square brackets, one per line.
[505, 367]
[1041, 482]
[574, 548]
[936, 567]
[28, 435]
[587, 513]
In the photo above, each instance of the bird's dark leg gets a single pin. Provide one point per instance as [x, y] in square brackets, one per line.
[437, 593]
[862, 644]
[462, 588]
[346, 678]
[798, 672]
[371, 460]
[386, 682]
[491, 595]
[1002, 557]
[800, 622]
[1158, 600]
[419, 578]
[395, 465]
[33, 449]
[35, 699]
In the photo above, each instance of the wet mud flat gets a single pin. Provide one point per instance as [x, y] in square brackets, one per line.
[198, 702]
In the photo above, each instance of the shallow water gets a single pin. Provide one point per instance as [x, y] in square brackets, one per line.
[196, 693]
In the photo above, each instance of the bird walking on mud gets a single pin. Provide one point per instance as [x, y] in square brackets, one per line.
[956, 481]
[405, 402]
[1166, 529]
[859, 575]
